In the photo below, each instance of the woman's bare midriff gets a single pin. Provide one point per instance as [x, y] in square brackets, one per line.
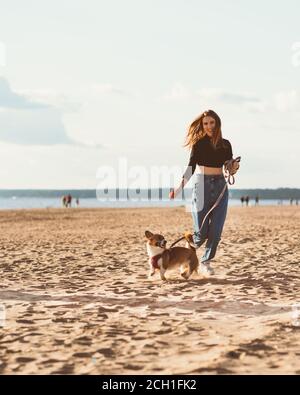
[208, 170]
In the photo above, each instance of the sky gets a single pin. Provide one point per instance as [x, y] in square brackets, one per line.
[95, 88]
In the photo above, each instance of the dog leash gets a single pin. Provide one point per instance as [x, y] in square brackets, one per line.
[229, 171]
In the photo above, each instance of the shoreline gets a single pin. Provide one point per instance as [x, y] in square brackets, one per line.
[58, 209]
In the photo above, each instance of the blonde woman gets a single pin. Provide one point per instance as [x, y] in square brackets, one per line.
[209, 152]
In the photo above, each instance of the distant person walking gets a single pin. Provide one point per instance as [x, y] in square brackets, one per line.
[247, 200]
[242, 200]
[256, 201]
[77, 202]
[291, 201]
[67, 200]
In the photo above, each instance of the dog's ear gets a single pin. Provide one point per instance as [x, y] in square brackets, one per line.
[148, 234]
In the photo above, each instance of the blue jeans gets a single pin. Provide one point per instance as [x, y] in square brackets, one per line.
[206, 191]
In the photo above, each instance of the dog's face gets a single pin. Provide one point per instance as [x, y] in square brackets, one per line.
[155, 240]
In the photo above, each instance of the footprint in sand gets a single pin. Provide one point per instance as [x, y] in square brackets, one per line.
[66, 369]
[83, 340]
[107, 352]
[25, 322]
[132, 367]
[163, 331]
[24, 359]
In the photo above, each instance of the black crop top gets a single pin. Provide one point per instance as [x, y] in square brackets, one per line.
[203, 153]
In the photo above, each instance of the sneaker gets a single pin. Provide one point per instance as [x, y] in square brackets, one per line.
[206, 269]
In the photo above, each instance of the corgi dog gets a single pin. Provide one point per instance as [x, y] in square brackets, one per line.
[162, 258]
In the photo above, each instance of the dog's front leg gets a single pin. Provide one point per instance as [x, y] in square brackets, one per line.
[151, 272]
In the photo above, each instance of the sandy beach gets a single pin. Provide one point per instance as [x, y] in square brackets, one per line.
[78, 301]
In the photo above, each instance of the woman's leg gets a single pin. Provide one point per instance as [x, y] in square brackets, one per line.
[217, 220]
[200, 207]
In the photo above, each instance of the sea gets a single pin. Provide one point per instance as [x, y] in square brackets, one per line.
[82, 198]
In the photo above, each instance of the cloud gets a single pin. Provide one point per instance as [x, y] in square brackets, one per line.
[45, 116]
[32, 122]
[54, 99]
[286, 101]
[181, 92]
[237, 98]
[177, 92]
[10, 99]
[37, 127]
[228, 97]
[41, 126]
[111, 89]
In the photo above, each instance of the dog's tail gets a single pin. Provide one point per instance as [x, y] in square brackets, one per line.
[189, 241]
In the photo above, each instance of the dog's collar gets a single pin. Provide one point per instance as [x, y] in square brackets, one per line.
[154, 260]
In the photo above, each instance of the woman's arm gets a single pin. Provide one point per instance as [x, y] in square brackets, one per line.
[177, 190]
[187, 174]
[230, 156]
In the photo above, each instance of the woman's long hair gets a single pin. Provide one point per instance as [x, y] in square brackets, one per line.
[196, 131]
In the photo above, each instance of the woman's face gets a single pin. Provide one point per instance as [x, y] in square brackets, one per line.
[209, 125]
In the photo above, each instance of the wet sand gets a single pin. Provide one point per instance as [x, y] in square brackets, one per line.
[78, 301]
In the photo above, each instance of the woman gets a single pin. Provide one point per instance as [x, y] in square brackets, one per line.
[209, 152]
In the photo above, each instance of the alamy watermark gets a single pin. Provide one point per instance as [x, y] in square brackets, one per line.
[2, 315]
[296, 54]
[123, 183]
[2, 54]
